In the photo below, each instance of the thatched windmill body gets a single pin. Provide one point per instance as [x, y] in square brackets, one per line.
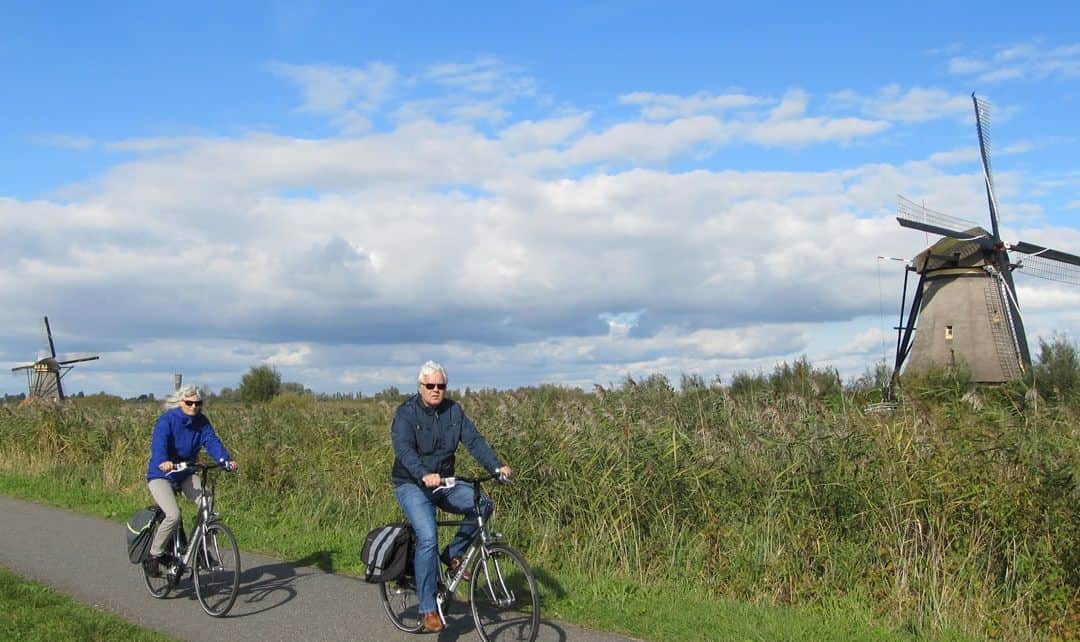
[44, 375]
[965, 304]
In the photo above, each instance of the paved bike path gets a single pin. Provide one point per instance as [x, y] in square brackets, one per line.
[85, 558]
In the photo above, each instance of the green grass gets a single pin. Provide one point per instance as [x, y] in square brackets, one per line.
[775, 501]
[31, 611]
[652, 613]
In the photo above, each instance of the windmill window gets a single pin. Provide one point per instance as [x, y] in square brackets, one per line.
[948, 333]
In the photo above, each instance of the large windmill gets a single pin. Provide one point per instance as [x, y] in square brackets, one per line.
[43, 376]
[965, 304]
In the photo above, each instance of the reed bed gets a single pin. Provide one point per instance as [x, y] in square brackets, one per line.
[958, 510]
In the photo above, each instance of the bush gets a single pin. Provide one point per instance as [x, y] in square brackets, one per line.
[292, 401]
[261, 383]
[1057, 373]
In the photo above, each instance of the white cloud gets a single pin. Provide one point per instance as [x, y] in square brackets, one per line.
[669, 106]
[551, 248]
[914, 105]
[1026, 61]
[547, 133]
[290, 356]
[65, 142]
[346, 93]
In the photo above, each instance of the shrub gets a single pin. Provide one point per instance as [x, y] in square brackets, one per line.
[261, 383]
[1057, 373]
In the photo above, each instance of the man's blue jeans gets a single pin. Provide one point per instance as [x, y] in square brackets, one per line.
[419, 506]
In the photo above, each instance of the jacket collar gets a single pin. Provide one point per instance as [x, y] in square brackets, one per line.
[443, 405]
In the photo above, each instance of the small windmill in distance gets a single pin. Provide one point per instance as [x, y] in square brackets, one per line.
[43, 376]
[965, 304]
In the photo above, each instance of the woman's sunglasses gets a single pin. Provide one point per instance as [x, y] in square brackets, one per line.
[190, 404]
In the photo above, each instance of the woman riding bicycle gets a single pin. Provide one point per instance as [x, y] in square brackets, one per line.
[180, 432]
[425, 434]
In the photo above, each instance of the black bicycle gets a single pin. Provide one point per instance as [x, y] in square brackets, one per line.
[212, 556]
[502, 591]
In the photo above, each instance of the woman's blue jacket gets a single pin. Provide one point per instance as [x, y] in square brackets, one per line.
[178, 437]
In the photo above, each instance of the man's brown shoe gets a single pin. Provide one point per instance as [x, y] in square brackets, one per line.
[455, 564]
[432, 623]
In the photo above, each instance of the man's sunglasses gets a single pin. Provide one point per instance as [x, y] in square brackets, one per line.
[190, 404]
[432, 386]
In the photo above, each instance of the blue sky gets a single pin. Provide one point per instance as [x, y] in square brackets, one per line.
[568, 193]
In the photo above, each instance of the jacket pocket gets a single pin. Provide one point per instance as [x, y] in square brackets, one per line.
[425, 440]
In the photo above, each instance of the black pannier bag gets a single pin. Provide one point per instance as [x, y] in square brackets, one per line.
[140, 531]
[388, 553]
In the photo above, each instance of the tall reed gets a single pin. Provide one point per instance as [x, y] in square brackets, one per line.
[959, 509]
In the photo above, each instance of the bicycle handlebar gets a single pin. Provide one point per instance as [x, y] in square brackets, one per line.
[198, 466]
[496, 477]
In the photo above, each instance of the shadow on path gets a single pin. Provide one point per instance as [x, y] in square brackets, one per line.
[460, 624]
[267, 587]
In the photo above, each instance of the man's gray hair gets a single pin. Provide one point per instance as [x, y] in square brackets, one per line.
[430, 368]
[184, 392]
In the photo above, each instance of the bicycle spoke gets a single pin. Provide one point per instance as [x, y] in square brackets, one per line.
[160, 583]
[401, 604]
[217, 570]
[505, 600]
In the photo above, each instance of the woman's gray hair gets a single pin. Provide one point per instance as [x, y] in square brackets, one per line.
[430, 368]
[183, 392]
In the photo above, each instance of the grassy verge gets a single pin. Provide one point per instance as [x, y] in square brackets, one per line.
[31, 611]
[651, 613]
[660, 512]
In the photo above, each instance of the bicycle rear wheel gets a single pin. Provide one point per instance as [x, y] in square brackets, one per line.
[217, 570]
[505, 600]
[163, 580]
[402, 604]
[159, 583]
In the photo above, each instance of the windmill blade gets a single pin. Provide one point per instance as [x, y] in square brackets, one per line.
[982, 125]
[48, 335]
[1045, 253]
[918, 217]
[1050, 265]
[77, 360]
[26, 366]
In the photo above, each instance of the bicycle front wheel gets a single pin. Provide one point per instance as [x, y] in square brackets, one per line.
[504, 597]
[217, 570]
[402, 604]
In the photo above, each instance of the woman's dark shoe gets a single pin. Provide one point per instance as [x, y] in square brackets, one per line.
[155, 563]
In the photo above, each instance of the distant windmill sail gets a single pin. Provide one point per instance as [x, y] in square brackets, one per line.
[44, 375]
[965, 306]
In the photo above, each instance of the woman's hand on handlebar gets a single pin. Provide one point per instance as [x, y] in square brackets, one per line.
[230, 466]
[165, 466]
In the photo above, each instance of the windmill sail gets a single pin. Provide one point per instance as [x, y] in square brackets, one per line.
[44, 375]
[918, 217]
[965, 306]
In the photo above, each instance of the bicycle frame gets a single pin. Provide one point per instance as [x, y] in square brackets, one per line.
[480, 540]
[499, 578]
[205, 515]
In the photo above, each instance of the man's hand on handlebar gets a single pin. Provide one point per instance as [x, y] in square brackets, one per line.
[431, 480]
[504, 473]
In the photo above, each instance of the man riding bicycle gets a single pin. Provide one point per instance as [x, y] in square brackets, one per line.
[425, 433]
